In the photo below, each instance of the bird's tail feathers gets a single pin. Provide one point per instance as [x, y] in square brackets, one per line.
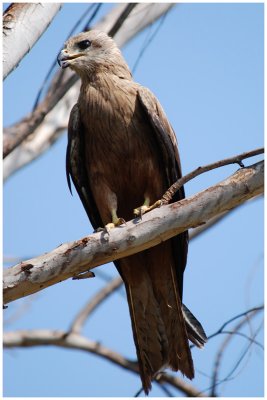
[158, 320]
[148, 332]
[179, 354]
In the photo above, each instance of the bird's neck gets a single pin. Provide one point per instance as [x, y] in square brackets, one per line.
[94, 72]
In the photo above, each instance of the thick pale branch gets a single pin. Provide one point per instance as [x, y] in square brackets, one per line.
[78, 342]
[23, 24]
[194, 233]
[73, 258]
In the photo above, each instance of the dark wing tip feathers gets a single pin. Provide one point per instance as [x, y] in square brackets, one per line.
[195, 331]
[69, 182]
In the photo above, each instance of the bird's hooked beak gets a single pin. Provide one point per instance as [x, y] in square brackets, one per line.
[64, 58]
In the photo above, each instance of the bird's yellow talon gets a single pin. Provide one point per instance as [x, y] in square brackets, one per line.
[138, 212]
[120, 221]
[116, 222]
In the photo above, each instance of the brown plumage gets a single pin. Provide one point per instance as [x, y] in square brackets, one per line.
[122, 153]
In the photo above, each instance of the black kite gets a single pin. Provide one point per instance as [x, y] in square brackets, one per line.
[122, 155]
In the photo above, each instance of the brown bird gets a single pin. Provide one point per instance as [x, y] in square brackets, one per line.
[122, 156]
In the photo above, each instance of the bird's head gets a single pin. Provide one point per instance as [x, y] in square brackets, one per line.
[91, 52]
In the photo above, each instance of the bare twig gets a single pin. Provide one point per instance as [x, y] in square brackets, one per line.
[247, 315]
[161, 224]
[166, 198]
[244, 314]
[249, 338]
[230, 376]
[75, 341]
[148, 41]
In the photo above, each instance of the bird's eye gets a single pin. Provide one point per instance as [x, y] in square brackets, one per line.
[84, 44]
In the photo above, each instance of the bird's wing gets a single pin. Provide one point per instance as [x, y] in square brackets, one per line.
[167, 143]
[75, 166]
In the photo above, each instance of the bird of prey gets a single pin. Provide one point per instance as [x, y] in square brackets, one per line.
[122, 156]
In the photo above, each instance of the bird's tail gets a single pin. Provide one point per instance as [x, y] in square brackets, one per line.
[158, 322]
[149, 333]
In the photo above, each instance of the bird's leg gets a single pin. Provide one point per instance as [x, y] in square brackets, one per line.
[139, 211]
[116, 221]
[104, 195]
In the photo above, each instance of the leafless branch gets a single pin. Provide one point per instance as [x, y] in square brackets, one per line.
[15, 135]
[244, 314]
[247, 316]
[194, 233]
[75, 341]
[71, 259]
[166, 198]
[249, 338]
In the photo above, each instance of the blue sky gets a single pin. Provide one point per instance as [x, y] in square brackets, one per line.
[206, 67]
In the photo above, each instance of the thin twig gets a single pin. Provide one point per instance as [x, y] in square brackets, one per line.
[247, 315]
[148, 41]
[253, 341]
[168, 195]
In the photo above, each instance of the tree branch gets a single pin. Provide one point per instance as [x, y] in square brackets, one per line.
[75, 341]
[194, 233]
[71, 259]
[23, 24]
[166, 198]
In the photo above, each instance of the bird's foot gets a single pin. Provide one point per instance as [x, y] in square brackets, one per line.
[115, 222]
[140, 211]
